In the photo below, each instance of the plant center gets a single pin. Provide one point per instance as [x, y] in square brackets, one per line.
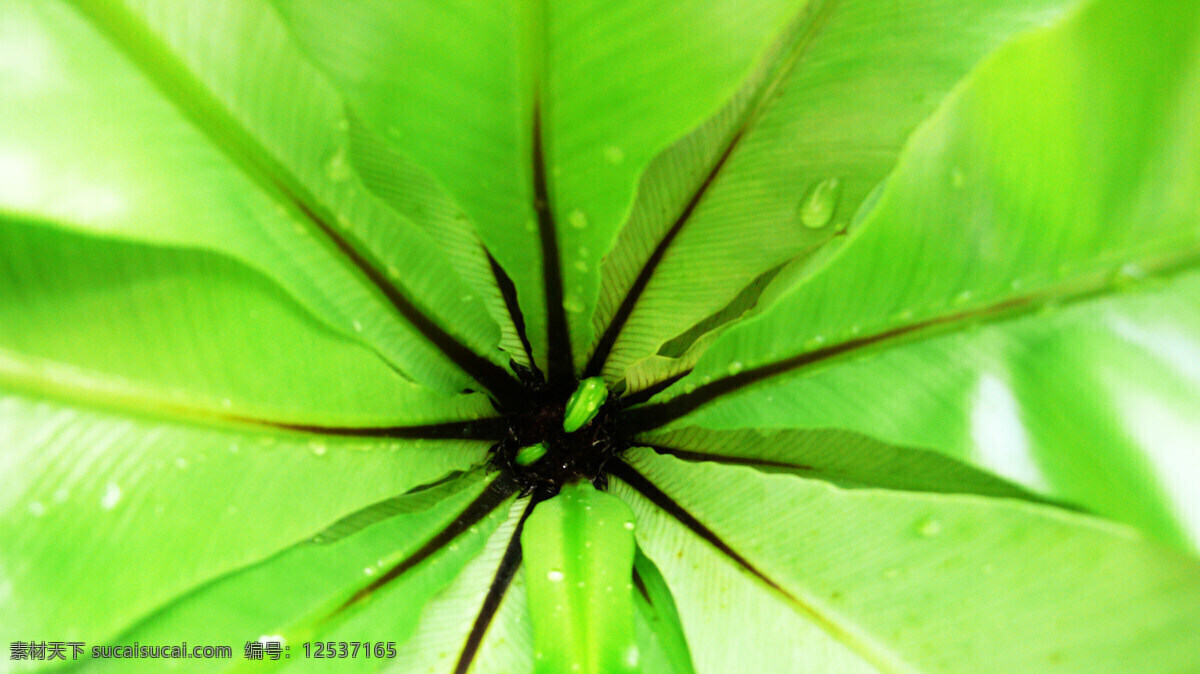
[560, 439]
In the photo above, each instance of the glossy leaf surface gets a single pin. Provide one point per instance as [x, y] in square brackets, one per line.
[883, 319]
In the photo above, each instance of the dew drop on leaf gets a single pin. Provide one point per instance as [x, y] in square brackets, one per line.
[957, 178]
[337, 168]
[554, 576]
[577, 219]
[318, 448]
[36, 508]
[735, 367]
[614, 154]
[1128, 275]
[816, 210]
[112, 494]
[929, 527]
[572, 303]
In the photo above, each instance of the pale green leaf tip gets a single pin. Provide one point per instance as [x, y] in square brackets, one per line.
[528, 456]
[584, 404]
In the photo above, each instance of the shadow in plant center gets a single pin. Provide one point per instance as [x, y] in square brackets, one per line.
[568, 456]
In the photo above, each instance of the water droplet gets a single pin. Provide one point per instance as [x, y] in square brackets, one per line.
[580, 265]
[358, 326]
[957, 178]
[929, 527]
[891, 573]
[337, 168]
[689, 387]
[60, 495]
[181, 462]
[226, 403]
[36, 508]
[393, 272]
[112, 494]
[467, 298]
[629, 525]
[815, 342]
[1128, 274]
[819, 204]
[572, 303]
[735, 367]
[963, 297]
[343, 124]
[614, 154]
[577, 219]
[318, 448]
[554, 576]
[369, 571]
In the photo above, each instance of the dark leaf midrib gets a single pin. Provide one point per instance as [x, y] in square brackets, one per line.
[196, 103]
[509, 563]
[493, 496]
[560, 367]
[639, 483]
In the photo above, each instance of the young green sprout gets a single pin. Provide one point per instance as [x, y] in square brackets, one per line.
[584, 403]
[527, 456]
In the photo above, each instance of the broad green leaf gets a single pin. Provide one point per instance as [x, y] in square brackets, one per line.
[299, 594]
[732, 623]
[508, 646]
[933, 583]
[806, 142]
[661, 621]
[578, 550]
[448, 621]
[152, 508]
[200, 152]
[456, 87]
[413, 192]
[187, 332]
[1090, 403]
[841, 457]
[1007, 199]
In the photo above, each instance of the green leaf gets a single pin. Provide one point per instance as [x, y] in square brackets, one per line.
[603, 79]
[924, 582]
[661, 619]
[319, 590]
[446, 632]
[168, 331]
[846, 459]
[843, 92]
[1024, 199]
[578, 549]
[161, 60]
[154, 508]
